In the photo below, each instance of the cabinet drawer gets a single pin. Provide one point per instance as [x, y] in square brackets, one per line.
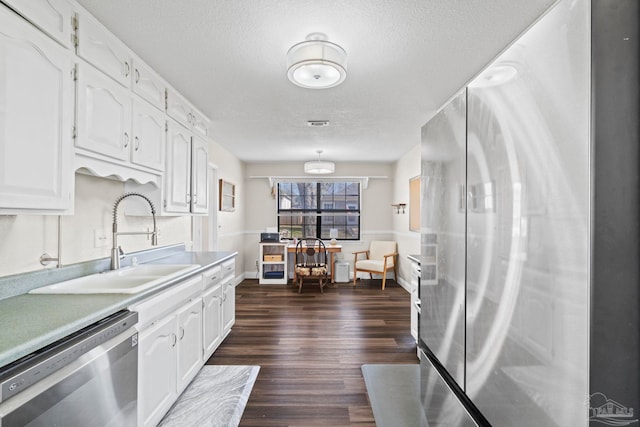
[158, 305]
[229, 268]
[212, 277]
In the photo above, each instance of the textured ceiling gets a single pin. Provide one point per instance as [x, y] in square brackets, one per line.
[405, 59]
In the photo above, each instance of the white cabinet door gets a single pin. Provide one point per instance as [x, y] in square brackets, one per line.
[178, 108]
[104, 114]
[149, 136]
[199, 176]
[189, 342]
[184, 113]
[51, 16]
[102, 49]
[157, 381]
[148, 85]
[199, 124]
[178, 169]
[36, 119]
[212, 320]
[228, 303]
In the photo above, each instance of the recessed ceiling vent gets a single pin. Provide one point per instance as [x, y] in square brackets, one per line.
[317, 123]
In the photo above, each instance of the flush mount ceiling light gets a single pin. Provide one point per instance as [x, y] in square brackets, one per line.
[318, 166]
[316, 63]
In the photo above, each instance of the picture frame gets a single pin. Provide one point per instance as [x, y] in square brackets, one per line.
[227, 196]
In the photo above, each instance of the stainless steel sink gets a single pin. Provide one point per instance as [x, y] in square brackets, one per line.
[128, 280]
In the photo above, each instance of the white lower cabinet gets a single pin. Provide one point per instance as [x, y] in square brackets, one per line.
[157, 389]
[170, 352]
[228, 304]
[212, 320]
[189, 342]
[179, 329]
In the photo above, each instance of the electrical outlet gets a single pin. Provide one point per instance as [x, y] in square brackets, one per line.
[100, 238]
[256, 263]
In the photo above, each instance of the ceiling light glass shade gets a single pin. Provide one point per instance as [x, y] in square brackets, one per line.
[316, 63]
[318, 167]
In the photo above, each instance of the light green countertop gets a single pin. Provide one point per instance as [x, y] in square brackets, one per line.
[30, 322]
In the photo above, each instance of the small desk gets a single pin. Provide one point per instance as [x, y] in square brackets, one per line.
[332, 249]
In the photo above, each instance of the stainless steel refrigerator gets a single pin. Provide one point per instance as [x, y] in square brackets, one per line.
[531, 219]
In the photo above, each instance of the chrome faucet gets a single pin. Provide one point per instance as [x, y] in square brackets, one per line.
[116, 251]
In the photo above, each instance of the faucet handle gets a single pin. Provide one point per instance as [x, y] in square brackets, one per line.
[121, 252]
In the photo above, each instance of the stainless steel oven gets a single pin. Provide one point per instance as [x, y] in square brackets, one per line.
[86, 379]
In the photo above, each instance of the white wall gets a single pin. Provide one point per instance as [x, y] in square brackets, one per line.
[408, 241]
[23, 238]
[231, 225]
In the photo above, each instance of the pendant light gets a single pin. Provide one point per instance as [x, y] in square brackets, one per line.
[316, 63]
[318, 166]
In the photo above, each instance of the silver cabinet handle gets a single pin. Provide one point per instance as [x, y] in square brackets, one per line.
[175, 340]
[126, 139]
[137, 76]
[181, 333]
[127, 68]
[137, 143]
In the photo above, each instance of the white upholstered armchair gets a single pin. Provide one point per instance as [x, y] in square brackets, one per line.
[381, 258]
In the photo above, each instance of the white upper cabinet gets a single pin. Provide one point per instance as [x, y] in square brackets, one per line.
[54, 17]
[149, 136]
[199, 176]
[177, 197]
[110, 123]
[102, 49]
[36, 120]
[148, 85]
[184, 113]
[103, 114]
[186, 180]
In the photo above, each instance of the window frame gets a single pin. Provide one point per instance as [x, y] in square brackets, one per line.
[352, 216]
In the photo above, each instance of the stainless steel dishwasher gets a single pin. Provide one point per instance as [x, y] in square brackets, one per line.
[87, 379]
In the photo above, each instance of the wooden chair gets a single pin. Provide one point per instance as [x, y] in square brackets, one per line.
[382, 257]
[311, 262]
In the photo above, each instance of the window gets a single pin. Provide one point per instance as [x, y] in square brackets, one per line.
[311, 209]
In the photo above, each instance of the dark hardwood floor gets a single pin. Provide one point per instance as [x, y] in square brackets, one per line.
[310, 347]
